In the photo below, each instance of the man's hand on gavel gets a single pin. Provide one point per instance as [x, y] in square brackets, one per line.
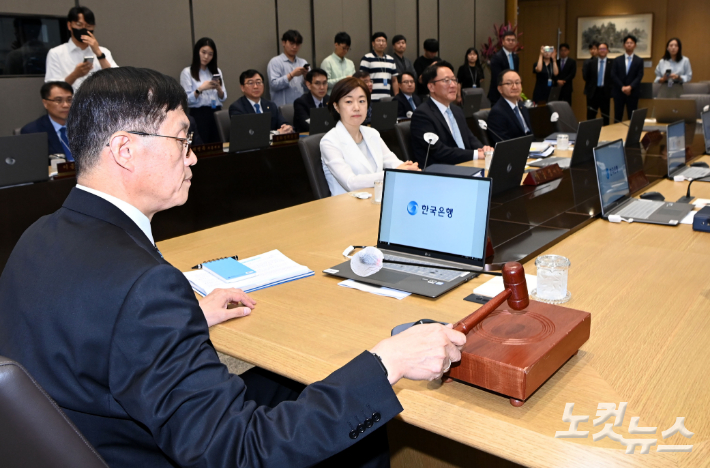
[423, 352]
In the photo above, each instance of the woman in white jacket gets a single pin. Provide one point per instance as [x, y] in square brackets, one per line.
[354, 156]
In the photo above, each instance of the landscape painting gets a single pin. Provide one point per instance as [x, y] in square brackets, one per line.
[612, 29]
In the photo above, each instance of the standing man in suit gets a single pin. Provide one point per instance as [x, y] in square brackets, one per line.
[598, 82]
[504, 59]
[508, 119]
[317, 83]
[57, 98]
[126, 351]
[456, 142]
[626, 73]
[252, 84]
[568, 70]
[407, 100]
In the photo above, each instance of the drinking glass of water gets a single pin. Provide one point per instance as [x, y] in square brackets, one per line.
[552, 271]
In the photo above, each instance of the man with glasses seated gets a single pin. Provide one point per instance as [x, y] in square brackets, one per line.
[456, 142]
[508, 119]
[317, 97]
[69, 62]
[407, 100]
[56, 98]
[252, 84]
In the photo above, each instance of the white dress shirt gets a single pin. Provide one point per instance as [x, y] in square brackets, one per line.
[63, 59]
[282, 90]
[129, 210]
[189, 84]
[682, 69]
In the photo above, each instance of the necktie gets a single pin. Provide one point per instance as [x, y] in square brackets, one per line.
[257, 108]
[520, 118]
[628, 64]
[411, 103]
[320, 104]
[65, 146]
[562, 63]
[455, 129]
[600, 77]
[510, 61]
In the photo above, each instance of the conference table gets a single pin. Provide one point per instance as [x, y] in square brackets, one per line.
[646, 287]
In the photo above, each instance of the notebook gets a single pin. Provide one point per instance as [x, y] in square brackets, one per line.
[227, 269]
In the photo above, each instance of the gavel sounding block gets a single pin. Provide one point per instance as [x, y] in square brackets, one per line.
[514, 352]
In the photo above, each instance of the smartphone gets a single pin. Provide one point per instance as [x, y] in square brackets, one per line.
[307, 66]
[89, 59]
[668, 72]
[217, 78]
[548, 49]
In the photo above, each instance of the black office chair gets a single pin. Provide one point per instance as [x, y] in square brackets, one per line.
[34, 430]
[288, 112]
[478, 131]
[701, 100]
[310, 152]
[403, 130]
[567, 121]
[696, 88]
[223, 124]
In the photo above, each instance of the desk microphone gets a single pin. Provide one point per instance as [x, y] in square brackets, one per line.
[482, 123]
[687, 198]
[430, 138]
[706, 108]
[607, 116]
[555, 118]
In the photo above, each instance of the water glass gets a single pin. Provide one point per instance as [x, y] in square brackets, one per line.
[552, 271]
[562, 142]
[378, 192]
[489, 158]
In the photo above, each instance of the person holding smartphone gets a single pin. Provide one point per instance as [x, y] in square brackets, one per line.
[546, 72]
[204, 84]
[674, 66]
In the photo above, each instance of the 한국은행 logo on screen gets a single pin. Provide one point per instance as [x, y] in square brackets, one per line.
[412, 207]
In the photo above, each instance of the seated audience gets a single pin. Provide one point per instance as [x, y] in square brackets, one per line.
[57, 98]
[286, 70]
[674, 66]
[504, 59]
[66, 62]
[354, 156]
[317, 83]
[365, 77]
[431, 56]
[252, 84]
[568, 70]
[470, 74]
[336, 65]
[204, 84]
[126, 350]
[399, 47]
[546, 72]
[381, 68]
[407, 100]
[456, 142]
[507, 118]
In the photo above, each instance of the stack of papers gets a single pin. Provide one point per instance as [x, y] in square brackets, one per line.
[492, 288]
[540, 150]
[271, 268]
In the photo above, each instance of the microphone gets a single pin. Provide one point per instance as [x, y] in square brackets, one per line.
[687, 198]
[482, 123]
[706, 108]
[609, 117]
[555, 118]
[430, 138]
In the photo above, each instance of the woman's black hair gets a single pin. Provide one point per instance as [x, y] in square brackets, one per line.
[679, 56]
[478, 57]
[195, 67]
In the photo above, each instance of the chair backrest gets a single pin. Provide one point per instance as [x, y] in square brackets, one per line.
[386, 99]
[287, 111]
[34, 430]
[696, 88]
[404, 137]
[223, 124]
[310, 152]
[567, 121]
[656, 89]
[478, 131]
[701, 100]
[17, 131]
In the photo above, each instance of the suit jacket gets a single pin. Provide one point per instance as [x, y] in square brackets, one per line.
[43, 125]
[403, 105]
[621, 78]
[567, 74]
[591, 74]
[243, 106]
[428, 118]
[116, 337]
[302, 111]
[502, 120]
[499, 63]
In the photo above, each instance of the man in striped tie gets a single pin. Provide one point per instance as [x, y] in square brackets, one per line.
[57, 98]
[626, 72]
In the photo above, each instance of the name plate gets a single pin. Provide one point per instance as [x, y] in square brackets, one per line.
[543, 175]
[278, 139]
[208, 149]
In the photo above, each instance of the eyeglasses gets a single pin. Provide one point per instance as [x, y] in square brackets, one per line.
[512, 83]
[319, 83]
[185, 141]
[254, 83]
[447, 81]
[408, 82]
[60, 101]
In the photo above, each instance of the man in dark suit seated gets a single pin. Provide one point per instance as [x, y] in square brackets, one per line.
[626, 73]
[252, 84]
[57, 98]
[456, 142]
[504, 59]
[317, 84]
[568, 70]
[407, 100]
[507, 118]
[597, 87]
[126, 351]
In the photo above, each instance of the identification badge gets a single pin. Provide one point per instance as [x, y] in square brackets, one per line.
[549, 82]
[385, 81]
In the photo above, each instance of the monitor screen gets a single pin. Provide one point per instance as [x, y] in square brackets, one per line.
[25, 41]
[436, 213]
[676, 146]
[611, 173]
[706, 130]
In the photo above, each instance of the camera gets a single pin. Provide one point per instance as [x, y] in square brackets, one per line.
[548, 49]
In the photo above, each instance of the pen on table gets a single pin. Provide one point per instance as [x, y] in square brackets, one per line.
[199, 265]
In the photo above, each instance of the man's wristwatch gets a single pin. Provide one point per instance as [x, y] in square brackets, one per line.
[101, 57]
[198, 92]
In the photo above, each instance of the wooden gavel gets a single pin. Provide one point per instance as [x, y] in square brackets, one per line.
[516, 292]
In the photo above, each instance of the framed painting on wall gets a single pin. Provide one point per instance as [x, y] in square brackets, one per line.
[612, 29]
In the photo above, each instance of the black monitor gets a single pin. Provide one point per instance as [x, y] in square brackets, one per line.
[25, 41]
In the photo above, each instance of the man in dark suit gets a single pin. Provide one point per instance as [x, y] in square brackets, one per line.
[57, 98]
[126, 352]
[504, 59]
[252, 84]
[568, 70]
[407, 100]
[456, 142]
[317, 83]
[507, 118]
[598, 82]
[626, 73]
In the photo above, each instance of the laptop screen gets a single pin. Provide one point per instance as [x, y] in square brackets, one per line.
[434, 214]
[706, 130]
[676, 146]
[611, 174]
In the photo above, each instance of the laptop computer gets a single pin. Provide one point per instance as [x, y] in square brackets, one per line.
[508, 163]
[384, 115]
[672, 110]
[322, 121]
[249, 132]
[23, 159]
[471, 101]
[675, 136]
[588, 138]
[429, 219]
[706, 129]
[633, 134]
[613, 184]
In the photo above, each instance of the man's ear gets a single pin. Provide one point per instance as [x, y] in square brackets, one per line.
[121, 150]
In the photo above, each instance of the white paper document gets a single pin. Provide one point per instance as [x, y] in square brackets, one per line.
[493, 287]
[379, 290]
[688, 218]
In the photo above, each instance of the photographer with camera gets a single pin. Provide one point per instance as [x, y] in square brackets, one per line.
[546, 71]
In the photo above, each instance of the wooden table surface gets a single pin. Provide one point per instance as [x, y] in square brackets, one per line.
[646, 287]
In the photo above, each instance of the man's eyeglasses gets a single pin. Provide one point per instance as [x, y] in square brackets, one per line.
[60, 101]
[254, 83]
[447, 81]
[186, 142]
[408, 82]
[512, 83]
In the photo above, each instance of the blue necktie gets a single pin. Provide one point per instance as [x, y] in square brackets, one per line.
[64, 141]
[510, 61]
[411, 103]
[520, 118]
[257, 108]
[628, 64]
[455, 129]
[600, 78]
